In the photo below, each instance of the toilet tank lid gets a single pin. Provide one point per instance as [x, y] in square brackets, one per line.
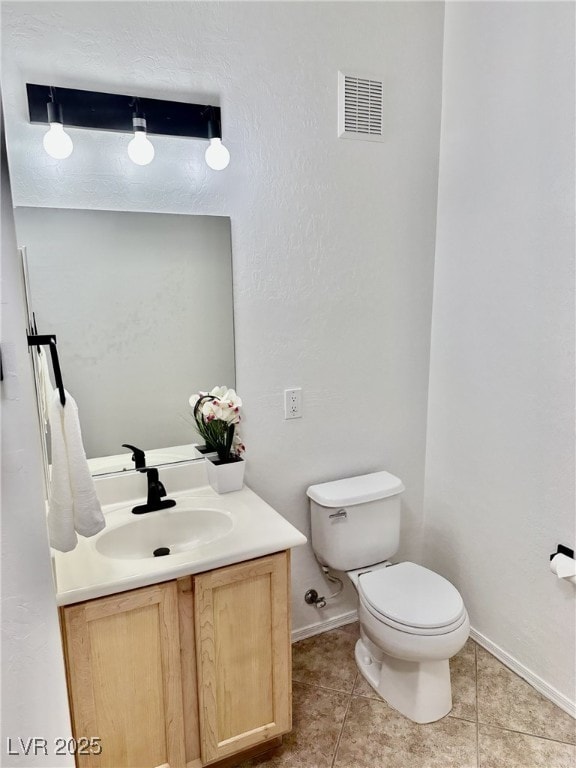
[355, 490]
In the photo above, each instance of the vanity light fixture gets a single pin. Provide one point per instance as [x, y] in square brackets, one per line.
[127, 114]
[140, 149]
[217, 156]
[56, 141]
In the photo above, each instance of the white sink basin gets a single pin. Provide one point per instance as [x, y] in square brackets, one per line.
[204, 531]
[181, 529]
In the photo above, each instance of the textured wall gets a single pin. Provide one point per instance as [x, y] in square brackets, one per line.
[500, 462]
[333, 241]
[34, 701]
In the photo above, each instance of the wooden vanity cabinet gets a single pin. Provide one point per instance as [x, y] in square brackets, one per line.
[243, 655]
[123, 667]
[184, 673]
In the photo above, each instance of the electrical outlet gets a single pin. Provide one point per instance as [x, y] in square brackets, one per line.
[293, 403]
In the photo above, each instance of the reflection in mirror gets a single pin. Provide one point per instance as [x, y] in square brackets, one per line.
[141, 304]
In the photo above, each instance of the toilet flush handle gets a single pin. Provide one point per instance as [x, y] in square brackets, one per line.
[340, 513]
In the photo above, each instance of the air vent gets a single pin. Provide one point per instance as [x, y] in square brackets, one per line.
[360, 108]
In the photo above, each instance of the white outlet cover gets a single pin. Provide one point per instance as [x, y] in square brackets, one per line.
[293, 403]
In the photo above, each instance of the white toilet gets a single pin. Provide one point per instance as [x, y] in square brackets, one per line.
[412, 620]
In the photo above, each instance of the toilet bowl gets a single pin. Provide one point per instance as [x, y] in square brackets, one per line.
[412, 620]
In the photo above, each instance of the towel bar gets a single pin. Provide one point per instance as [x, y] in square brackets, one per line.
[43, 340]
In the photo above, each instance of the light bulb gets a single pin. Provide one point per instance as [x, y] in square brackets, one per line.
[141, 149]
[217, 156]
[57, 143]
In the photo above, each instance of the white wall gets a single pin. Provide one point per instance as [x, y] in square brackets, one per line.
[333, 241]
[500, 460]
[34, 701]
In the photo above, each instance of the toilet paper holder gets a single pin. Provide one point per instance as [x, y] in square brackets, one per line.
[563, 563]
[562, 550]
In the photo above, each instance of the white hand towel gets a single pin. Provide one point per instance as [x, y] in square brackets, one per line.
[45, 386]
[60, 506]
[73, 504]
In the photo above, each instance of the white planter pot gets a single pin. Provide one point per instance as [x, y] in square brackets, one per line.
[226, 477]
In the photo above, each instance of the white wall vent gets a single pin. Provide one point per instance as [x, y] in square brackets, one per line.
[360, 108]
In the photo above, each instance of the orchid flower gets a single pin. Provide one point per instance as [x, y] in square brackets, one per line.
[216, 415]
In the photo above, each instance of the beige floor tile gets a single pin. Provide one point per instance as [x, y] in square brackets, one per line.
[326, 660]
[375, 736]
[352, 629]
[505, 700]
[506, 749]
[318, 715]
[463, 675]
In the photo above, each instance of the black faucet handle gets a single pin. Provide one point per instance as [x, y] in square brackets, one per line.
[155, 485]
[155, 492]
[138, 456]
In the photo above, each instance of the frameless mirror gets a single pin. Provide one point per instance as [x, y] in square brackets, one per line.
[141, 305]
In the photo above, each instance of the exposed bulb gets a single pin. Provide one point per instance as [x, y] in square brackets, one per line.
[57, 143]
[141, 149]
[217, 156]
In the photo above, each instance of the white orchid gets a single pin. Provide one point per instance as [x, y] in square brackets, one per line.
[216, 414]
[222, 393]
[231, 397]
[219, 392]
[238, 446]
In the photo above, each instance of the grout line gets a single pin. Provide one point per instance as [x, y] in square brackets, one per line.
[325, 687]
[344, 722]
[458, 717]
[526, 733]
[371, 698]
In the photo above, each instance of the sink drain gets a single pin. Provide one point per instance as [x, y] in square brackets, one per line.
[161, 551]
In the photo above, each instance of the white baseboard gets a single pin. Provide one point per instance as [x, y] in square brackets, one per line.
[324, 626]
[536, 682]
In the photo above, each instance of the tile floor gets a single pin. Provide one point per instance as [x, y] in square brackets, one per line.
[497, 721]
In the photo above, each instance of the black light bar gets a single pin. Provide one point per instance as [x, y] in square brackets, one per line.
[113, 112]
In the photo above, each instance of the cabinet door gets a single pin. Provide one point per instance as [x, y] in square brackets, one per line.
[243, 655]
[124, 677]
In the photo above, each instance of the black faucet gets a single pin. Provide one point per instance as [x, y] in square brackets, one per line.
[138, 456]
[155, 492]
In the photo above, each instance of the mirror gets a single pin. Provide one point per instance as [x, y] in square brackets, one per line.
[141, 305]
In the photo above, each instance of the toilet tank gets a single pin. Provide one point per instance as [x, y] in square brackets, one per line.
[356, 521]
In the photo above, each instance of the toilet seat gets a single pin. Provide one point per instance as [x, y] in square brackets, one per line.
[420, 631]
[412, 599]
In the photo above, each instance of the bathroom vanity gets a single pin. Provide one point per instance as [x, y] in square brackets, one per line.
[184, 660]
[184, 672]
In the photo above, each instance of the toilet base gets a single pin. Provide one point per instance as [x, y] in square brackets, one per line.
[419, 690]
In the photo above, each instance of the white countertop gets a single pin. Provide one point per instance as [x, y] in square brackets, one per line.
[257, 530]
